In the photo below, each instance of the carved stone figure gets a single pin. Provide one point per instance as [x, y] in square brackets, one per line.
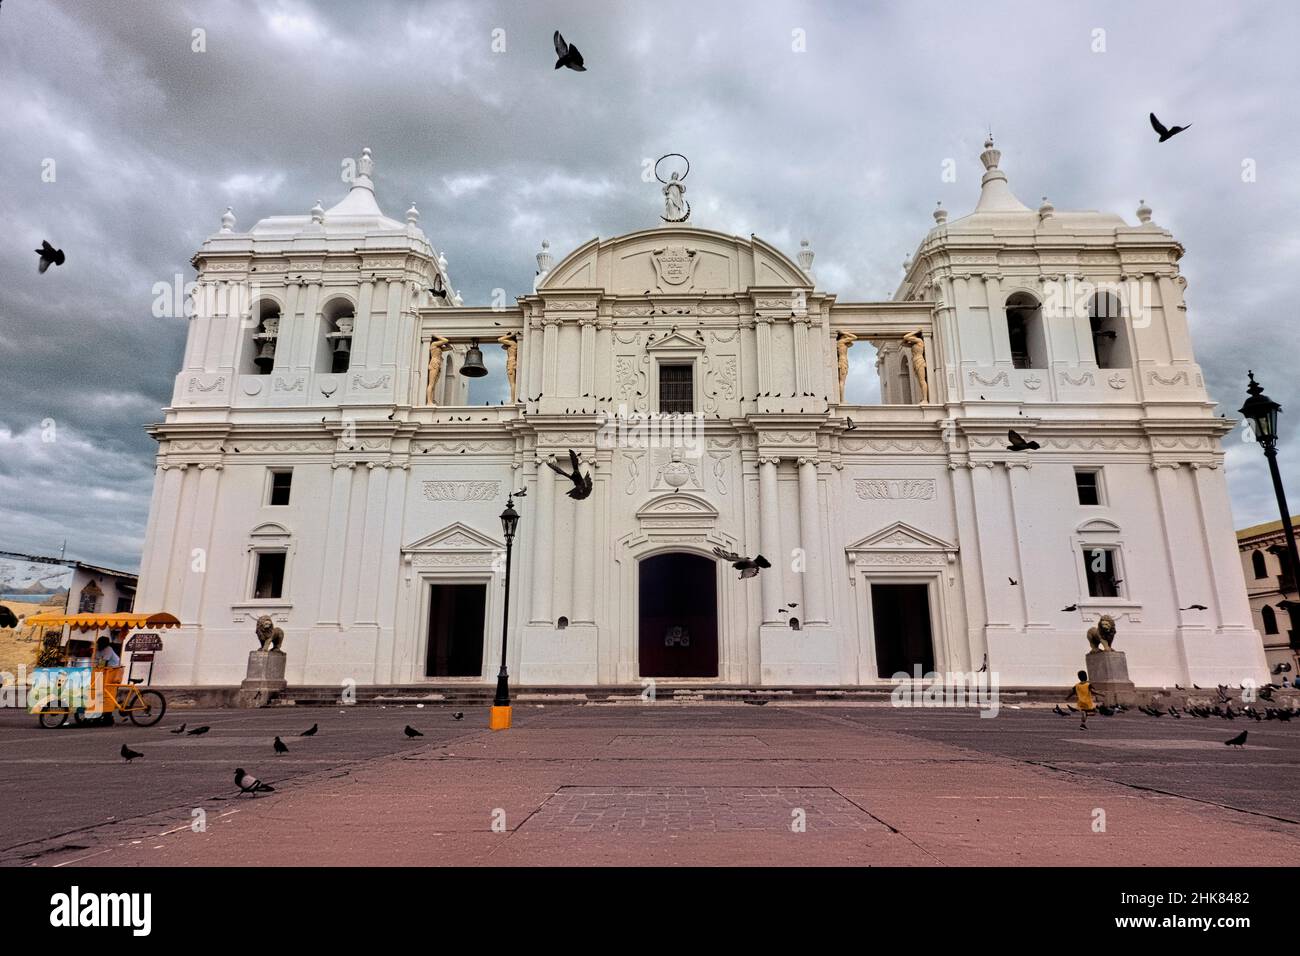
[917, 344]
[843, 340]
[437, 345]
[675, 208]
[510, 342]
[268, 635]
[1102, 637]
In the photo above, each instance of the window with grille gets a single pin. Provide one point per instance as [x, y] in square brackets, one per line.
[676, 389]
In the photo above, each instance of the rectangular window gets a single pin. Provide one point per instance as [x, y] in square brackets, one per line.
[280, 484]
[676, 389]
[1088, 484]
[1103, 574]
[270, 574]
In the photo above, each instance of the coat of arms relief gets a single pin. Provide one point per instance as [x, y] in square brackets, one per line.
[674, 266]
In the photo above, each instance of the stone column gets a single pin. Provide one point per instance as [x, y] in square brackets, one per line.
[770, 538]
[336, 529]
[814, 584]
[543, 574]
[763, 358]
[587, 372]
[584, 552]
[799, 324]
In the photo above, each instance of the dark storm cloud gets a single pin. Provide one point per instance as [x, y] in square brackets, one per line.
[842, 144]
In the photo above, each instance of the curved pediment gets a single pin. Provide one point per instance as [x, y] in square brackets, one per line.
[1098, 526]
[678, 505]
[675, 259]
[270, 529]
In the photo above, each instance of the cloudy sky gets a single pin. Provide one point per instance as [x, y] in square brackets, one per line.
[842, 142]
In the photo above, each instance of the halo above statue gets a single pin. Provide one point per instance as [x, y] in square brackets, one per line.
[676, 208]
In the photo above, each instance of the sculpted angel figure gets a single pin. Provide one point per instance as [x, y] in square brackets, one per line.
[843, 340]
[510, 342]
[917, 344]
[437, 346]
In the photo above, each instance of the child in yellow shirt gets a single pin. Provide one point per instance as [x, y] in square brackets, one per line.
[1082, 693]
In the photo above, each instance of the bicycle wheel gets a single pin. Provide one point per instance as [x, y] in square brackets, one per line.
[51, 717]
[148, 708]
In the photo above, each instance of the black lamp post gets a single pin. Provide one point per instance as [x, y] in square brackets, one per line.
[501, 718]
[1262, 413]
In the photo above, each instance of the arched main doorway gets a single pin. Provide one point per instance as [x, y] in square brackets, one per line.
[678, 627]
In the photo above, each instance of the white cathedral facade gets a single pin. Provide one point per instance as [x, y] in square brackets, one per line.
[319, 461]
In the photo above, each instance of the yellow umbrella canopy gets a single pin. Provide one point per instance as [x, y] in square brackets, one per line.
[98, 622]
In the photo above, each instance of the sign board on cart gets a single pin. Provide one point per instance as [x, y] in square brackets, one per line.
[145, 641]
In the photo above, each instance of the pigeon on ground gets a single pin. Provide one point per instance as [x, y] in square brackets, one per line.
[412, 732]
[568, 54]
[1018, 442]
[747, 567]
[247, 783]
[1057, 710]
[280, 748]
[198, 731]
[581, 483]
[311, 731]
[49, 256]
[458, 716]
[756, 703]
[128, 754]
[178, 730]
[1237, 741]
[1166, 132]
[1105, 710]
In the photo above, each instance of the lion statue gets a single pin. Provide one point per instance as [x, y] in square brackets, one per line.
[1102, 637]
[268, 635]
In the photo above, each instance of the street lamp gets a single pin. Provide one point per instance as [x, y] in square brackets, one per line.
[500, 718]
[1262, 413]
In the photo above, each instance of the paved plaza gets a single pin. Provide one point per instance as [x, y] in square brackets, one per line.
[654, 784]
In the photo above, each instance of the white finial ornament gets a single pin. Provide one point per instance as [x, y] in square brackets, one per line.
[806, 255]
[412, 215]
[940, 214]
[318, 212]
[544, 258]
[1143, 212]
[366, 165]
[1046, 210]
[442, 262]
[228, 220]
[907, 265]
[456, 299]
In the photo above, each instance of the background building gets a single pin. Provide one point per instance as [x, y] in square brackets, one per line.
[32, 584]
[319, 462]
[1263, 547]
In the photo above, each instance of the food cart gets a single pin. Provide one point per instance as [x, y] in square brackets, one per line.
[75, 688]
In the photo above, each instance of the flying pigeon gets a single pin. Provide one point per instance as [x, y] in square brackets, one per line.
[581, 483]
[1070, 607]
[280, 748]
[1018, 443]
[247, 783]
[747, 567]
[198, 731]
[7, 617]
[311, 732]
[411, 732]
[1166, 133]
[128, 754]
[1057, 710]
[1237, 741]
[49, 255]
[568, 55]
[178, 730]
[1194, 607]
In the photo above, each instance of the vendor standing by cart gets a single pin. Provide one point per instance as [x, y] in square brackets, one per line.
[107, 661]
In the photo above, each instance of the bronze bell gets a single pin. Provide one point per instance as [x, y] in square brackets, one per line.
[265, 358]
[474, 367]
